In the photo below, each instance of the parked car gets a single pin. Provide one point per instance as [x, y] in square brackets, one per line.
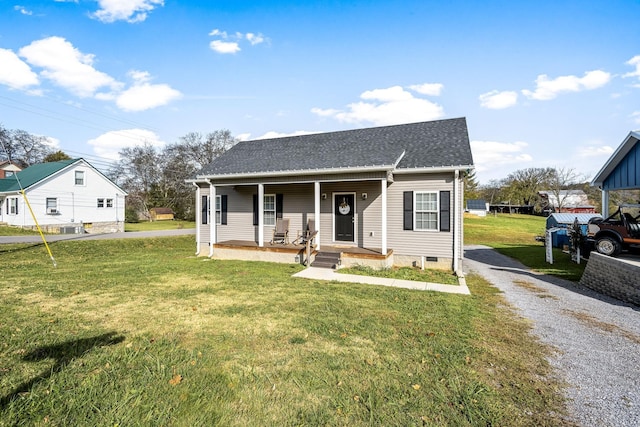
[620, 231]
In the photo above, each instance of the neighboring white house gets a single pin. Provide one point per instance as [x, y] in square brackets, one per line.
[65, 196]
[571, 201]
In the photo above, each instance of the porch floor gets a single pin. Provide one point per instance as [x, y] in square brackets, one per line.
[346, 249]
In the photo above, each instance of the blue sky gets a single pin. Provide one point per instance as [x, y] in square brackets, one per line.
[541, 83]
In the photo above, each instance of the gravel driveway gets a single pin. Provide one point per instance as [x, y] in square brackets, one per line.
[597, 338]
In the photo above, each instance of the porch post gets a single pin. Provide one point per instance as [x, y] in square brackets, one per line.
[198, 217]
[316, 210]
[457, 218]
[383, 197]
[212, 218]
[261, 215]
[605, 203]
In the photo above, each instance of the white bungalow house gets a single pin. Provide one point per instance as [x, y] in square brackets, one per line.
[384, 196]
[63, 196]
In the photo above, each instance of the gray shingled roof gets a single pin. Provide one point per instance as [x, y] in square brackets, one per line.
[434, 144]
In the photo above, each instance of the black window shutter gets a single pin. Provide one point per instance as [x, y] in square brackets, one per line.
[223, 209]
[279, 200]
[445, 211]
[408, 209]
[255, 209]
[205, 209]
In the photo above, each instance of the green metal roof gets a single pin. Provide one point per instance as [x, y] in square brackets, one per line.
[32, 175]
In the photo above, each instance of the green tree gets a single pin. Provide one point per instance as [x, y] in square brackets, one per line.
[56, 157]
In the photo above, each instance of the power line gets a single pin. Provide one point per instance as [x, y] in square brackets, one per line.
[84, 109]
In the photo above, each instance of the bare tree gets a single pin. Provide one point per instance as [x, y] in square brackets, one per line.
[559, 182]
[201, 150]
[22, 147]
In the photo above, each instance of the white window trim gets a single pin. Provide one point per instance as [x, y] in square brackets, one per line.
[51, 210]
[218, 209]
[436, 211]
[84, 179]
[11, 205]
[275, 209]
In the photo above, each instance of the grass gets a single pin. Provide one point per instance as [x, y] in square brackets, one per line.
[139, 332]
[158, 225]
[514, 236]
[139, 226]
[15, 231]
[404, 273]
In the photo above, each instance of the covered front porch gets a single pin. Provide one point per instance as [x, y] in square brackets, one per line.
[300, 253]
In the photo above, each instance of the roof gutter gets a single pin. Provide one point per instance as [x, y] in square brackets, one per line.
[433, 169]
[206, 178]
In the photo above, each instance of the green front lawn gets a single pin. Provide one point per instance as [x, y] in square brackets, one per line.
[139, 332]
[158, 225]
[514, 236]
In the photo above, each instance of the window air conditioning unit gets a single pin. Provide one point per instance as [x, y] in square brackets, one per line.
[52, 211]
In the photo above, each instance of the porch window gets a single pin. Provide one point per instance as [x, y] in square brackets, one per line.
[109, 203]
[79, 178]
[273, 204]
[426, 211]
[52, 205]
[205, 210]
[269, 209]
[101, 203]
[219, 210]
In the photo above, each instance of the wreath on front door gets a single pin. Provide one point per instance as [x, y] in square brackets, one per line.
[344, 207]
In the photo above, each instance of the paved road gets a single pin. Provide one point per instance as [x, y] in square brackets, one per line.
[129, 235]
[597, 337]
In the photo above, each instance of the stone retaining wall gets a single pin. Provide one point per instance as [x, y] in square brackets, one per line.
[613, 277]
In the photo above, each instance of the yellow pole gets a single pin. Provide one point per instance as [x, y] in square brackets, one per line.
[24, 195]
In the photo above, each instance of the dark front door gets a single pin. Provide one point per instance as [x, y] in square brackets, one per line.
[344, 215]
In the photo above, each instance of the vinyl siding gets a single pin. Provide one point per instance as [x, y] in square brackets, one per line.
[411, 242]
[298, 207]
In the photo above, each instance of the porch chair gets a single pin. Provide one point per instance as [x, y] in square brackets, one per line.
[307, 234]
[281, 231]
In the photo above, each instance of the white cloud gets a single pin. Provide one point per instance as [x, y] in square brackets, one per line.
[109, 144]
[498, 100]
[51, 142]
[255, 39]
[547, 89]
[634, 62]
[430, 89]
[22, 10]
[636, 117]
[492, 156]
[66, 66]
[226, 43]
[243, 136]
[595, 150]
[14, 72]
[387, 106]
[143, 95]
[224, 47]
[274, 134]
[125, 10]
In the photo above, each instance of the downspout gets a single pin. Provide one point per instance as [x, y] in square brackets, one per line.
[198, 218]
[212, 217]
[457, 226]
